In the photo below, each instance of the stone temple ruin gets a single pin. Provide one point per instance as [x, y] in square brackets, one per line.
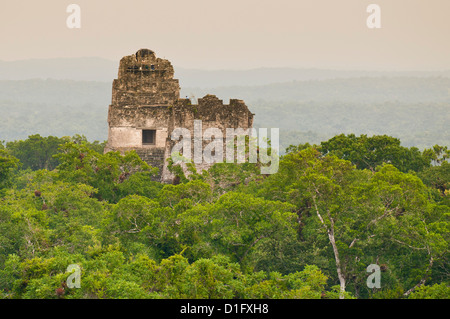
[146, 107]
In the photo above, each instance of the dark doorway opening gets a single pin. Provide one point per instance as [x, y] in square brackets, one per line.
[148, 137]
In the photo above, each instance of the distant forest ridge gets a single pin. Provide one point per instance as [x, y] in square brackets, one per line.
[104, 70]
[414, 109]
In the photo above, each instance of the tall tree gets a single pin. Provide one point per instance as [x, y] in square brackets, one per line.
[36, 152]
[7, 163]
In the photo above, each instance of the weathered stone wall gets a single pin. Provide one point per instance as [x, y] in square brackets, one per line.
[213, 113]
[145, 79]
[155, 157]
[126, 125]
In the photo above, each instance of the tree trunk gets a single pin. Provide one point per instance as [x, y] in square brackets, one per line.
[336, 257]
[330, 232]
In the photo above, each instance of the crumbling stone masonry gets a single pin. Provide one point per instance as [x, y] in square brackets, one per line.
[146, 107]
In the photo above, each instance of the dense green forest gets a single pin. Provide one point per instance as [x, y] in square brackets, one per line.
[308, 231]
[413, 109]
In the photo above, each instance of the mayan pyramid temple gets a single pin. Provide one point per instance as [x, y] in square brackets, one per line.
[146, 108]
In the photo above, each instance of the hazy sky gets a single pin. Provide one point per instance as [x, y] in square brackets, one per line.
[236, 34]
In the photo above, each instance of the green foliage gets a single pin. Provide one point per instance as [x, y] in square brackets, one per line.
[308, 231]
[36, 151]
[96, 146]
[80, 164]
[225, 177]
[437, 177]
[196, 191]
[7, 164]
[367, 216]
[140, 183]
[212, 279]
[243, 223]
[139, 277]
[370, 152]
[436, 291]
[307, 284]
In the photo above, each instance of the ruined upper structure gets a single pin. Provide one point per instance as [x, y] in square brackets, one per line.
[146, 108]
[145, 80]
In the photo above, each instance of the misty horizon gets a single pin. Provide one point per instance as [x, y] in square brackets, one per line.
[236, 35]
[249, 68]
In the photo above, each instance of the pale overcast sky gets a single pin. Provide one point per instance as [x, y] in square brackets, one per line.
[236, 34]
